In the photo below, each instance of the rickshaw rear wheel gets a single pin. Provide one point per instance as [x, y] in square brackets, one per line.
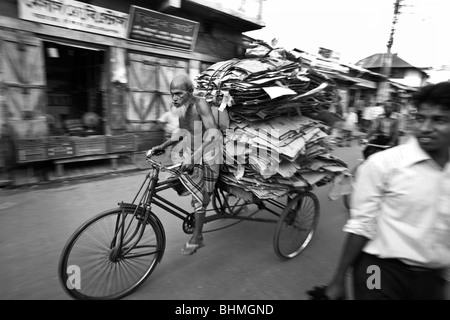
[296, 225]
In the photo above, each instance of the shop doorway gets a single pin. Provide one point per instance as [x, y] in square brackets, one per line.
[75, 89]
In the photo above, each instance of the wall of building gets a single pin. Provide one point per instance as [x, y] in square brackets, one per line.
[126, 101]
[215, 42]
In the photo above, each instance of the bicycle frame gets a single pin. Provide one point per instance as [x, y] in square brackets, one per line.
[219, 190]
[152, 197]
[149, 191]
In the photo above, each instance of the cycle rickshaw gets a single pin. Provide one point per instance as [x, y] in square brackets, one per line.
[118, 249]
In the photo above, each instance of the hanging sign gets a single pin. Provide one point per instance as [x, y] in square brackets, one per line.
[162, 29]
[75, 15]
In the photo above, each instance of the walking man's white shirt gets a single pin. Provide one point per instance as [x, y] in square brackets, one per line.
[413, 222]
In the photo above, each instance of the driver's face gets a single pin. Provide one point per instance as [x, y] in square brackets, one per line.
[179, 96]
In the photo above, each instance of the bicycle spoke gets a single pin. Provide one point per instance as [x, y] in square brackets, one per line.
[139, 255]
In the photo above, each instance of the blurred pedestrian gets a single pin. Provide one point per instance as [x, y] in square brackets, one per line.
[370, 114]
[377, 110]
[385, 128]
[405, 118]
[360, 106]
[169, 122]
[398, 244]
[332, 120]
[349, 127]
[366, 119]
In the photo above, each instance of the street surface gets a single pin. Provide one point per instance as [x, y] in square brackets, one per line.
[237, 263]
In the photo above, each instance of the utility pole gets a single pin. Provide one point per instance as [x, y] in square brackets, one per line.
[383, 89]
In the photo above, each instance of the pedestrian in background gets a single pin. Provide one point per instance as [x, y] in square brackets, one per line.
[349, 126]
[398, 243]
[360, 106]
[334, 119]
[385, 128]
[405, 118]
[366, 119]
[377, 110]
[169, 122]
[371, 113]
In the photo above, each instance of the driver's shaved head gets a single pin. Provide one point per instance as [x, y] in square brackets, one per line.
[182, 82]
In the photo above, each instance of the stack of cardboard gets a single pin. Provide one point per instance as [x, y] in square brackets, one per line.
[263, 88]
[271, 147]
[271, 157]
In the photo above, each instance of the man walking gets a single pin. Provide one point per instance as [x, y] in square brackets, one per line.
[398, 243]
[385, 128]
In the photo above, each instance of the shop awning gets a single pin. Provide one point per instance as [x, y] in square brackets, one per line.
[357, 82]
[75, 45]
[402, 86]
[363, 83]
[344, 78]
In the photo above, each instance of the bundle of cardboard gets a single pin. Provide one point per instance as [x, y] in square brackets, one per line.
[272, 143]
[255, 89]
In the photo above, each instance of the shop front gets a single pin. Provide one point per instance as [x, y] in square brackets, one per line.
[76, 87]
[76, 81]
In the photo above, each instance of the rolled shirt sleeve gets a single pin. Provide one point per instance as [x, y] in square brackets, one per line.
[366, 200]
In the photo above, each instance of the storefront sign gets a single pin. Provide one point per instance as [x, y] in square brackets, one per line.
[158, 28]
[75, 15]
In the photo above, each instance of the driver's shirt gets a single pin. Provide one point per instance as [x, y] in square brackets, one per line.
[401, 202]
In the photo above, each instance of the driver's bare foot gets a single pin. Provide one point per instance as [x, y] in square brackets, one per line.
[192, 246]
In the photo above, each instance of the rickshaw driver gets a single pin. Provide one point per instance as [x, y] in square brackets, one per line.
[198, 131]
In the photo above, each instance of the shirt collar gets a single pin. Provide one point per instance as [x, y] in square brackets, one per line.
[414, 153]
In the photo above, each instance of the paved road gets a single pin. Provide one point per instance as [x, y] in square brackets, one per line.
[237, 263]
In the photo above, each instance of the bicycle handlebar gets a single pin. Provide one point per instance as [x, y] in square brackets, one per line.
[160, 165]
[368, 144]
[377, 146]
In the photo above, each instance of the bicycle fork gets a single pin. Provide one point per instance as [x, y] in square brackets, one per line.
[125, 237]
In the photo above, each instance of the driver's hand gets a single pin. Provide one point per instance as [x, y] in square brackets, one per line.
[187, 167]
[157, 150]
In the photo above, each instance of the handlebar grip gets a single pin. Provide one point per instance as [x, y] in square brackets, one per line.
[173, 166]
[378, 146]
[158, 152]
